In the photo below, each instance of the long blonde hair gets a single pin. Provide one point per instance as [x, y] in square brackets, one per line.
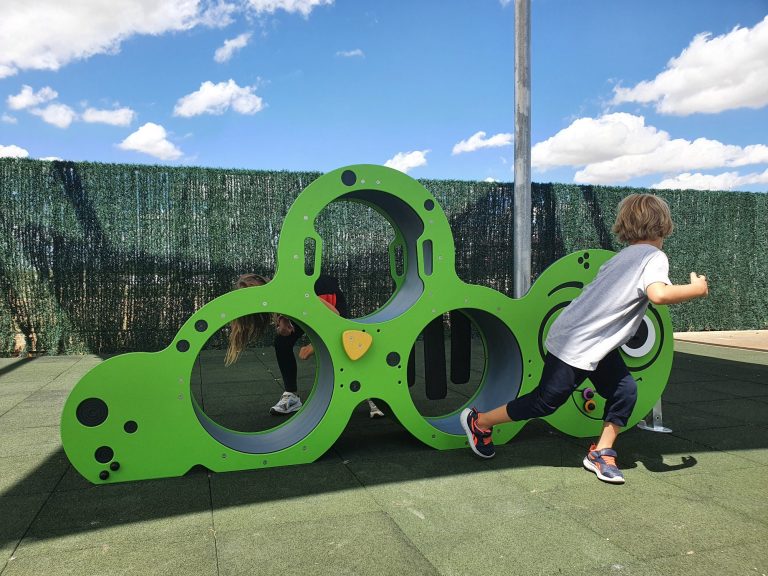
[245, 328]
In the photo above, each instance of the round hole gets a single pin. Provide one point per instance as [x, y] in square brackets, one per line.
[348, 177]
[249, 380]
[201, 325]
[393, 358]
[182, 345]
[354, 386]
[470, 356]
[103, 475]
[130, 427]
[104, 454]
[429, 204]
[92, 412]
[115, 466]
[586, 265]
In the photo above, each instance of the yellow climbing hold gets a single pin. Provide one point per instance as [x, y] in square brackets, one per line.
[356, 343]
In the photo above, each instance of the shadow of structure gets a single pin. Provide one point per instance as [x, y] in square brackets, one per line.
[713, 405]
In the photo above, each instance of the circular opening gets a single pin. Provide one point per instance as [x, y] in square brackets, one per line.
[355, 244]
[247, 394]
[369, 243]
[479, 364]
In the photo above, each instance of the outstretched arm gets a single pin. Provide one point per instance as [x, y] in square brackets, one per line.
[660, 293]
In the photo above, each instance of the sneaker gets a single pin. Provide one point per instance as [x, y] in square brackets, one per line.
[375, 412]
[288, 403]
[479, 439]
[603, 463]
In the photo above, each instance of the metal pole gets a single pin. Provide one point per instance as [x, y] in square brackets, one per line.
[522, 231]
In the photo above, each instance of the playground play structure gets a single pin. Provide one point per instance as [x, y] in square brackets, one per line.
[134, 416]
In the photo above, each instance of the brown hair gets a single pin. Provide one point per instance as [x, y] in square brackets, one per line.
[245, 327]
[642, 217]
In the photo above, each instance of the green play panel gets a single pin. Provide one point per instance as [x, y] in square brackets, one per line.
[135, 416]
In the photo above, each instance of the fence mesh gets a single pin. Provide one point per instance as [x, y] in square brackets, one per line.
[106, 258]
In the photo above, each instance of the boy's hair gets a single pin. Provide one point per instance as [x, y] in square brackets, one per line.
[642, 217]
[245, 328]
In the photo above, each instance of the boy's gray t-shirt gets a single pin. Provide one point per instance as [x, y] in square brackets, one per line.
[610, 309]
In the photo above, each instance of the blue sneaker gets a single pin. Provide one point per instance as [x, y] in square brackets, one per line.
[479, 439]
[603, 463]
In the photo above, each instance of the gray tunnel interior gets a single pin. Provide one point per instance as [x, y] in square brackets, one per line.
[503, 369]
[298, 427]
[407, 221]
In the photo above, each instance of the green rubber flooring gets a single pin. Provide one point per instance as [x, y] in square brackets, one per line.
[380, 503]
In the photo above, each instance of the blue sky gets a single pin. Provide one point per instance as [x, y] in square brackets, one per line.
[651, 93]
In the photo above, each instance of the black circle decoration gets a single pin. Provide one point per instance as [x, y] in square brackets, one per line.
[201, 325]
[393, 358]
[348, 177]
[115, 466]
[182, 345]
[92, 412]
[429, 204]
[130, 427]
[103, 475]
[354, 386]
[104, 454]
[640, 337]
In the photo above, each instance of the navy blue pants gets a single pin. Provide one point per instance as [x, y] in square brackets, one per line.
[611, 379]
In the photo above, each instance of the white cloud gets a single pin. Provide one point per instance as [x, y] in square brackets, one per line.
[303, 7]
[60, 115]
[117, 117]
[151, 139]
[48, 34]
[489, 179]
[28, 97]
[12, 151]
[8, 119]
[218, 98]
[478, 141]
[357, 52]
[231, 46]
[52, 159]
[724, 181]
[405, 161]
[710, 75]
[618, 147]
[589, 140]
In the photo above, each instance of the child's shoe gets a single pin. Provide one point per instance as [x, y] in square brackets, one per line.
[288, 403]
[603, 463]
[479, 439]
[374, 410]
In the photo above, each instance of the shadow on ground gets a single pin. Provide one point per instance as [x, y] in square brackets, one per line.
[717, 408]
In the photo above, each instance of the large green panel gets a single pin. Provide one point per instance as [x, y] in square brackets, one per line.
[137, 410]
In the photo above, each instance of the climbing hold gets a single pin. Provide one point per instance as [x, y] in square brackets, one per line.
[356, 343]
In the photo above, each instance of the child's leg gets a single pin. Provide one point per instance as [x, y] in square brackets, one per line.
[286, 360]
[613, 382]
[558, 381]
